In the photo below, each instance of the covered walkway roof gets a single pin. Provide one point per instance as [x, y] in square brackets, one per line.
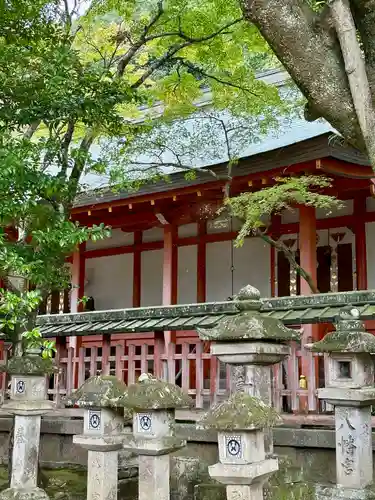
[320, 308]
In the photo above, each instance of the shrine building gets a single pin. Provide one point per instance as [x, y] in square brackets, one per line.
[168, 245]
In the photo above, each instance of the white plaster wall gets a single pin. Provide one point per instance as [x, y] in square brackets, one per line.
[152, 278]
[370, 204]
[187, 230]
[324, 236]
[153, 234]
[222, 224]
[251, 264]
[218, 273]
[347, 209]
[110, 281]
[117, 239]
[187, 274]
[292, 215]
[370, 248]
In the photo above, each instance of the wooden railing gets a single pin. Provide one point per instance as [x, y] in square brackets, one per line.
[187, 362]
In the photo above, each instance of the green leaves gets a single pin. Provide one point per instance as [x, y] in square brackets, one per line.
[15, 308]
[33, 339]
[255, 209]
[95, 91]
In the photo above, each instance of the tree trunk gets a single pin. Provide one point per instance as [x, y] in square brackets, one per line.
[307, 46]
[356, 71]
[279, 245]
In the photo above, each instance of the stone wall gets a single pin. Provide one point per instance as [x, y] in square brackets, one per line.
[307, 456]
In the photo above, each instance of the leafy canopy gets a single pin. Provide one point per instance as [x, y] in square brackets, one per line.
[76, 82]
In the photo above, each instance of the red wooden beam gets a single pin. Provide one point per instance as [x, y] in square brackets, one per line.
[345, 169]
[141, 247]
[277, 230]
[203, 187]
[118, 218]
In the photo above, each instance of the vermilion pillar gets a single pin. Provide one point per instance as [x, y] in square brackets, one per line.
[170, 286]
[201, 262]
[78, 278]
[308, 261]
[209, 366]
[360, 242]
[78, 291]
[170, 265]
[307, 245]
[137, 255]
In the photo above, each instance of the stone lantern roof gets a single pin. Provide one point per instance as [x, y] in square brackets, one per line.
[350, 335]
[251, 324]
[241, 412]
[153, 394]
[101, 391]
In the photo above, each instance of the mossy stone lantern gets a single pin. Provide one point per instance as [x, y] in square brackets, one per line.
[240, 422]
[28, 402]
[251, 339]
[154, 403]
[254, 341]
[350, 389]
[103, 432]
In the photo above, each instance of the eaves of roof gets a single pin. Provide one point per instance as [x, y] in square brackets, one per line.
[319, 308]
[320, 146]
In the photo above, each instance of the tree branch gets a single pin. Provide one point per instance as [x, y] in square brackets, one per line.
[202, 72]
[65, 143]
[279, 245]
[356, 71]
[364, 16]
[124, 61]
[308, 48]
[151, 165]
[80, 162]
[68, 16]
[179, 46]
[31, 130]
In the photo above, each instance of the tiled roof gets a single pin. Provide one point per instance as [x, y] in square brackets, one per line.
[145, 319]
[319, 308]
[294, 141]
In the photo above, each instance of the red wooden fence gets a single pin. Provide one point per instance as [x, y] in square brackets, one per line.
[187, 362]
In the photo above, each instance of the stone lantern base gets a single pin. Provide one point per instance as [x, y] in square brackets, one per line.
[24, 494]
[337, 493]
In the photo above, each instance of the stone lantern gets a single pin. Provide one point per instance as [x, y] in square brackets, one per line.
[103, 432]
[251, 341]
[28, 402]
[350, 389]
[240, 422]
[154, 403]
